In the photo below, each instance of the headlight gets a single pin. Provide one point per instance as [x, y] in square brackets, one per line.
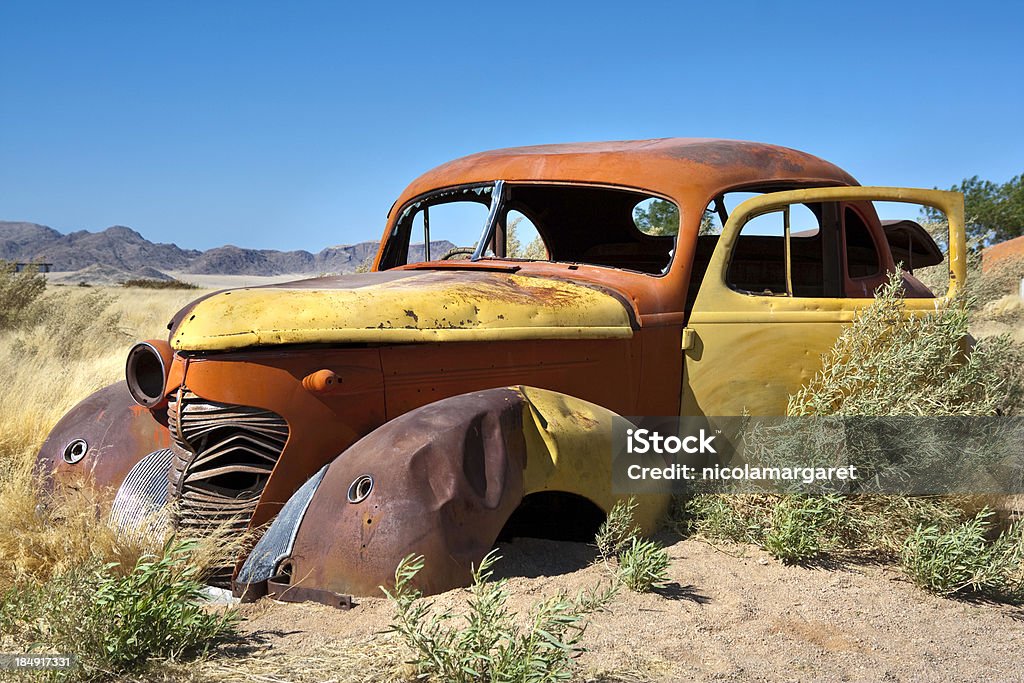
[146, 372]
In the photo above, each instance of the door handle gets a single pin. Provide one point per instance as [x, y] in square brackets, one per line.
[689, 336]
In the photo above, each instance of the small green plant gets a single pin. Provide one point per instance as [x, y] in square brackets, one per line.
[793, 528]
[890, 363]
[638, 563]
[618, 528]
[737, 518]
[114, 623]
[643, 565]
[488, 643]
[963, 561]
[802, 528]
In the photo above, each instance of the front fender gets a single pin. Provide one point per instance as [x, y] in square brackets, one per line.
[100, 440]
[444, 480]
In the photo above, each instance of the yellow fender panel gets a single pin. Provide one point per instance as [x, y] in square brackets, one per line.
[569, 448]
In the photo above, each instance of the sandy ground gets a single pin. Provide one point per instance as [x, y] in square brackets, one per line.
[202, 281]
[230, 281]
[731, 614]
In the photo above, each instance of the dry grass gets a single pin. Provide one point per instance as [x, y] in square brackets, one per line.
[373, 660]
[75, 343]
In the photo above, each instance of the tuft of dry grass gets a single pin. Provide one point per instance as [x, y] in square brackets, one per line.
[74, 342]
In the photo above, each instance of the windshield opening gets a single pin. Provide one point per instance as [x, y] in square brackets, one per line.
[583, 224]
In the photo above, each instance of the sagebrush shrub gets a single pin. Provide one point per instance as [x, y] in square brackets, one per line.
[964, 561]
[618, 528]
[643, 565]
[802, 528]
[890, 363]
[640, 564]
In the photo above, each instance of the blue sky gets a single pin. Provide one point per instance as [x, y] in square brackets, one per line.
[295, 125]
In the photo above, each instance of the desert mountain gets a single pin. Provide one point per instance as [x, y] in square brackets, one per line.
[126, 250]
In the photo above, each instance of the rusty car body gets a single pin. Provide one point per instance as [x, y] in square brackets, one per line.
[435, 405]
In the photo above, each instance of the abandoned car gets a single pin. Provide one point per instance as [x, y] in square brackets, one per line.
[462, 390]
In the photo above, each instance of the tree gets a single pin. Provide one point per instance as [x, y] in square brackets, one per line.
[992, 211]
[534, 251]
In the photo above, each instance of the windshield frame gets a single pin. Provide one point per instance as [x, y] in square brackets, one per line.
[495, 210]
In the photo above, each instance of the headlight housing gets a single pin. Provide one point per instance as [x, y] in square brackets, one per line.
[146, 372]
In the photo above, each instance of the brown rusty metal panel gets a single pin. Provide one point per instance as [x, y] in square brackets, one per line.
[321, 423]
[117, 432]
[660, 372]
[445, 480]
[677, 167]
[604, 372]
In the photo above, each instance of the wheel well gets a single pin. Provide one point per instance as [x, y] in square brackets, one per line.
[554, 515]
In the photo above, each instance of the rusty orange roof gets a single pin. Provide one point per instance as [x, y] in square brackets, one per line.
[680, 168]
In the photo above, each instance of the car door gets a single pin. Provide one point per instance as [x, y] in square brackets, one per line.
[768, 308]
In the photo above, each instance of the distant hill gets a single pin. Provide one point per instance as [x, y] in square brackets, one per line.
[126, 250]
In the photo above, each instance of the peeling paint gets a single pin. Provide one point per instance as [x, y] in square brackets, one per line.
[463, 306]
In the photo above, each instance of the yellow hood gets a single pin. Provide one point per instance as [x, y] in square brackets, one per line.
[401, 307]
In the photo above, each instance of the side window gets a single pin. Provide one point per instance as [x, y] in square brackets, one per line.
[861, 253]
[522, 239]
[788, 252]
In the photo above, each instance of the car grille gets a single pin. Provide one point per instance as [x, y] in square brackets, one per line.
[224, 456]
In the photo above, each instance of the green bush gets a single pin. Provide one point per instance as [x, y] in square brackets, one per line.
[18, 292]
[115, 623]
[963, 561]
[803, 528]
[146, 283]
[488, 643]
[886, 363]
[793, 528]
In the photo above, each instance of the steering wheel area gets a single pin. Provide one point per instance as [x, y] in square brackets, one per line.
[457, 254]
